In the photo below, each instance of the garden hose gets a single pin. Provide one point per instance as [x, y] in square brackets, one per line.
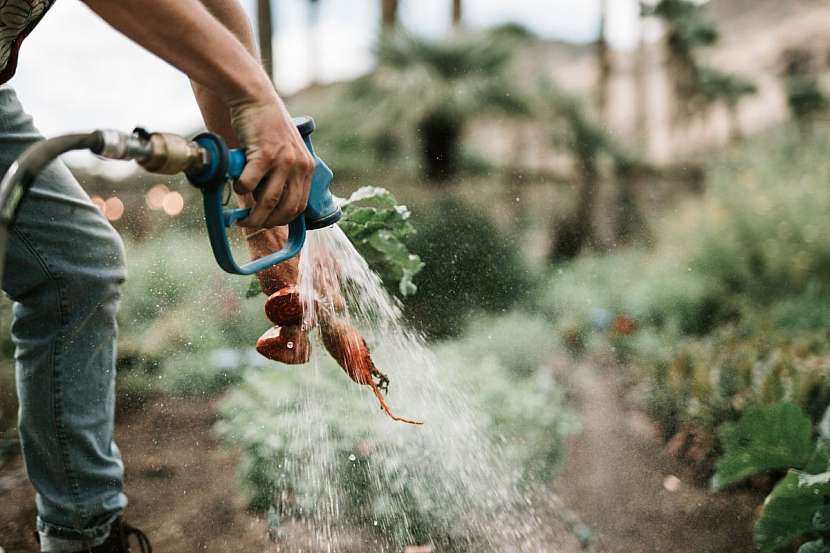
[207, 163]
[157, 152]
[21, 175]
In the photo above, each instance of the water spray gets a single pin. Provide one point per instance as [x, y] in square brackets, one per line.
[208, 164]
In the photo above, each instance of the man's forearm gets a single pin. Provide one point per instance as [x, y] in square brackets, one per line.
[234, 93]
[214, 111]
[186, 35]
[231, 15]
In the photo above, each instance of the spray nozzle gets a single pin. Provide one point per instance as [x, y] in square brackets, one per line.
[220, 165]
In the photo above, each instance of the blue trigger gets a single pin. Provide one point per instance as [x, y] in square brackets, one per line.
[236, 163]
[233, 215]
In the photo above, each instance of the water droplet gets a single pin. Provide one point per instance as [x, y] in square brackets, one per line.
[671, 483]
[290, 345]
[352, 457]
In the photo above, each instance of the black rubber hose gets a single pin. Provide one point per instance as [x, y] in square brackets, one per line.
[21, 175]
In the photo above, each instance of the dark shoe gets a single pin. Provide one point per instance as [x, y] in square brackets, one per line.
[119, 540]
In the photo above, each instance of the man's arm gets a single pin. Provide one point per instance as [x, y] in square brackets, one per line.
[186, 35]
[214, 111]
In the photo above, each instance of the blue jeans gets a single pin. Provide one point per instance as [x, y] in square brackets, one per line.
[64, 268]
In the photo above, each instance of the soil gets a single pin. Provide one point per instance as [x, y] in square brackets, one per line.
[637, 498]
[181, 484]
[184, 493]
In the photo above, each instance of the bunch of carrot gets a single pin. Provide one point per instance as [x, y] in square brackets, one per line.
[288, 342]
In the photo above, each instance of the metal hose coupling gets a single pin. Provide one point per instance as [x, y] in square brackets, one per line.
[164, 153]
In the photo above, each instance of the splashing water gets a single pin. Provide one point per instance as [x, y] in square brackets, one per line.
[445, 483]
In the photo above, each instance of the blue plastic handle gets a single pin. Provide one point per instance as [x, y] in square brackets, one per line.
[218, 235]
[225, 165]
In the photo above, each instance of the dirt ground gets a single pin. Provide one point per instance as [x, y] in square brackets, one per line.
[618, 480]
[184, 494]
[181, 484]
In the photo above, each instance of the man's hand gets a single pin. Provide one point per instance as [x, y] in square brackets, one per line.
[279, 166]
[234, 93]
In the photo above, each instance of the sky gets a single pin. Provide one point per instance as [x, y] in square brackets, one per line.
[76, 73]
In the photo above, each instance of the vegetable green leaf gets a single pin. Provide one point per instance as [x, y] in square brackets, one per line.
[253, 289]
[777, 436]
[821, 457]
[817, 546]
[821, 519]
[377, 226]
[366, 193]
[789, 509]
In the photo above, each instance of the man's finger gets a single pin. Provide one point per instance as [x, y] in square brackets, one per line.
[268, 198]
[246, 200]
[252, 175]
[293, 202]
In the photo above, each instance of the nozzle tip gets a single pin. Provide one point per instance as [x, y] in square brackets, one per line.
[325, 221]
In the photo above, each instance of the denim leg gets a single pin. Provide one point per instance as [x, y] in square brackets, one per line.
[64, 266]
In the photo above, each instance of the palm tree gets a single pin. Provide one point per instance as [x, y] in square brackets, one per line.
[388, 14]
[589, 145]
[265, 35]
[697, 86]
[642, 76]
[456, 14]
[603, 61]
[428, 91]
[313, 51]
[586, 141]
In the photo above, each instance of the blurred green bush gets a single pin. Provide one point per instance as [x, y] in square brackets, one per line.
[708, 381]
[731, 306]
[308, 434]
[470, 266]
[504, 362]
[177, 307]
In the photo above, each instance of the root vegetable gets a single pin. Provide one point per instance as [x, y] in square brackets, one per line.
[286, 344]
[284, 307]
[288, 341]
[349, 349]
[265, 242]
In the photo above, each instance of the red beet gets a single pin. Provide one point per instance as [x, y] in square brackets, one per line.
[286, 344]
[284, 307]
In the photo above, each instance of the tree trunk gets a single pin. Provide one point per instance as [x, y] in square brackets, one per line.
[388, 14]
[440, 136]
[313, 50]
[604, 67]
[736, 132]
[576, 232]
[642, 77]
[630, 224]
[456, 14]
[265, 33]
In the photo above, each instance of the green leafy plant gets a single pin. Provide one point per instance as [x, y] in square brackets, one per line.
[778, 437]
[769, 437]
[471, 266]
[589, 144]
[379, 227]
[307, 435]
